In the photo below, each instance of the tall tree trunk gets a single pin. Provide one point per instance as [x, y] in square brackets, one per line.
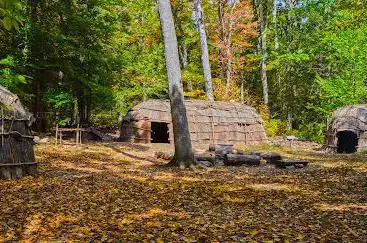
[199, 21]
[275, 21]
[183, 55]
[229, 59]
[264, 52]
[75, 117]
[242, 91]
[184, 63]
[222, 39]
[182, 47]
[289, 120]
[183, 149]
[228, 43]
[276, 41]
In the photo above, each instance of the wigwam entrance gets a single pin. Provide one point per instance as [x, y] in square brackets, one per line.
[160, 132]
[347, 142]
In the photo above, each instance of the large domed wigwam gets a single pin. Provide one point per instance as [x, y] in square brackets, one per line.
[209, 122]
[347, 132]
[16, 141]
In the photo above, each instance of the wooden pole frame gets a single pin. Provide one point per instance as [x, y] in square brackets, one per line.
[2, 127]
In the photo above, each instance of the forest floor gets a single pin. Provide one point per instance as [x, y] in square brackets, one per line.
[109, 192]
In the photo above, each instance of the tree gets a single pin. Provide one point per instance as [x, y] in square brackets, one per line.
[263, 50]
[234, 40]
[198, 15]
[11, 15]
[183, 149]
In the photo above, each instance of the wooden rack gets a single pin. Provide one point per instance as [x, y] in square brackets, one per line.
[78, 134]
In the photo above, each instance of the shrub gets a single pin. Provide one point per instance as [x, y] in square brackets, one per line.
[275, 127]
[105, 119]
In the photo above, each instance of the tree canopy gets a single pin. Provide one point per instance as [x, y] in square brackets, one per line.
[94, 59]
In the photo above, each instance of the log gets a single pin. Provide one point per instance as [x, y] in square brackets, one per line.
[254, 153]
[241, 159]
[205, 157]
[104, 137]
[221, 148]
[272, 157]
[219, 162]
[205, 163]
[164, 155]
[296, 163]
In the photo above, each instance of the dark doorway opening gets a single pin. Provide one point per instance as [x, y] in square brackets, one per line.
[160, 132]
[347, 142]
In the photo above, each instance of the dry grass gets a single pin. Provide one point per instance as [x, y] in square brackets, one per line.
[109, 192]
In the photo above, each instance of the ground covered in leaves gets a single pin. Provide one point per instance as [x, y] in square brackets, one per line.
[109, 192]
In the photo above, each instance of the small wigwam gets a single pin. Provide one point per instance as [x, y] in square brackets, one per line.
[16, 145]
[347, 132]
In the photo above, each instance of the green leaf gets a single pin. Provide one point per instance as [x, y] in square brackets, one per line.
[21, 79]
[8, 61]
[7, 23]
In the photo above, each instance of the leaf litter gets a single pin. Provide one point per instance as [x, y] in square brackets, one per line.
[109, 192]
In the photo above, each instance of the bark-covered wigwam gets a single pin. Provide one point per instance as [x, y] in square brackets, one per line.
[347, 132]
[16, 145]
[210, 122]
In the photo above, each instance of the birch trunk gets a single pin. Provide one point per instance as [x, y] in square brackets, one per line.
[229, 60]
[276, 41]
[232, 4]
[184, 62]
[199, 21]
[182, 47]
[275, 15]
[242, 91]
[183, 149]
[263, 74]
[222, 38]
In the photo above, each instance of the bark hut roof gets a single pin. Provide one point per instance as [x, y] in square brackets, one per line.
[350, 118]
[13, 108]
[197, 110]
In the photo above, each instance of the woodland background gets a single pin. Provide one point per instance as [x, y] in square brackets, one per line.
[95, 59]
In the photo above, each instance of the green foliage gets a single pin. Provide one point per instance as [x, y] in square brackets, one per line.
[59, 99]
[347, 61]
[11, 14]
[64, 122]
[8, 77]
[312, 131]
[105, 119]
[320, 63]
[275, 127]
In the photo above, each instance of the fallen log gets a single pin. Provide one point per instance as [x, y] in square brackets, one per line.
[286, 163]
[205, 157]
[271, 157]
[221, 148]
[210, 157]
[241, 159]
[164, 155]
[102, 136]
[205, 163]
